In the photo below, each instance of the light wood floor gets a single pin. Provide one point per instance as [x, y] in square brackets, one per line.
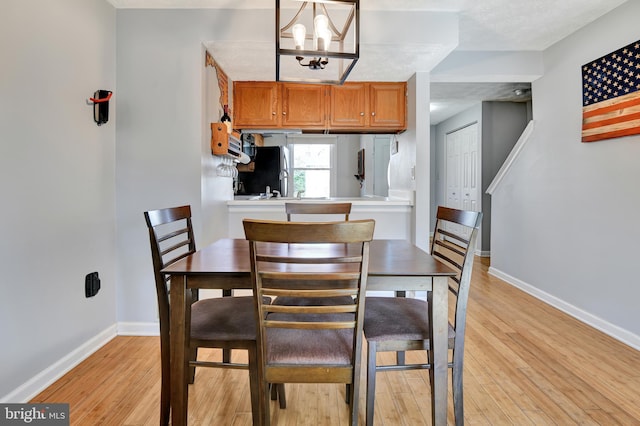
[526, 364]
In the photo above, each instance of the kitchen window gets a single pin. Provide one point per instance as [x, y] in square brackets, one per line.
[312, 169]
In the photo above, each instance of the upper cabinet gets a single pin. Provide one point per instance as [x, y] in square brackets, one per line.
[348, 106]
[388, 105]
[304, 106]
[256, 104]
[364, 107]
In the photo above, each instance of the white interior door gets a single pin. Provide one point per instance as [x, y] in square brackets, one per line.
[462, 169]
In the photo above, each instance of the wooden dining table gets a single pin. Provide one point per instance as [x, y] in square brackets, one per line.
[394, 265]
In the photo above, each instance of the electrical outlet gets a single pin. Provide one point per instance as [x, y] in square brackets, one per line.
[91, 284]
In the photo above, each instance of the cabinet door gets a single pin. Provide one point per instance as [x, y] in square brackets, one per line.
[255, 104]
[388, 105]
[304, 105]
[348, 106]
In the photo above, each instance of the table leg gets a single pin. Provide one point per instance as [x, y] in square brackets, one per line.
[179, 331]
[439, 323]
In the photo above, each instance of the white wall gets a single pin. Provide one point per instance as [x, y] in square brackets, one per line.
[57, 180]
[565, 218]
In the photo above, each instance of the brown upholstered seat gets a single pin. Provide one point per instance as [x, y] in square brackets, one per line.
[318, 342]
[401, 324]
[382, 321]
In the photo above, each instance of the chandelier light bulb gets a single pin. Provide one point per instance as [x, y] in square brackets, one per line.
[320, 23]
[324, 40]
[299, 33]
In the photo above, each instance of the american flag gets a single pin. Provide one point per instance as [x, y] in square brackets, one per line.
[611, 95]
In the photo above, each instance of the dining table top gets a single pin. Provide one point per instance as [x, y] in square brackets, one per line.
[386, 258]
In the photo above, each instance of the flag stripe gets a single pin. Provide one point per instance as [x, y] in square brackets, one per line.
[612, 127]
[590, 111]
[621, 117]
[613, 134]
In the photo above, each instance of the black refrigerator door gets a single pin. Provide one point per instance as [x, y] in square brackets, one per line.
[266, 173]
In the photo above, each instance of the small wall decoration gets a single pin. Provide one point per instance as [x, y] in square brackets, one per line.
[100, 103]
[611, 95]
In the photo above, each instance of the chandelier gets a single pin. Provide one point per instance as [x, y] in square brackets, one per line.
[320, 41]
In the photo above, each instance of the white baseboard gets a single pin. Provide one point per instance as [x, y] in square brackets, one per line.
[45, 378]
[138, 329]
[598, 323]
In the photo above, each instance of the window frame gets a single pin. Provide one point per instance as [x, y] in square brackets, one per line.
[331, 141]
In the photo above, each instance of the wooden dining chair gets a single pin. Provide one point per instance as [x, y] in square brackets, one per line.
[317, 208]
[303, 210]
[402, 324]
[310, 344]
[225, 323]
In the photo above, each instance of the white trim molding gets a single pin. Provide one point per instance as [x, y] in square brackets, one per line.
[522, 140]
[49, 375]
[598, 323]
[138, 329]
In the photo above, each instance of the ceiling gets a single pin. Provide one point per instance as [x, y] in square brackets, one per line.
[486, 25]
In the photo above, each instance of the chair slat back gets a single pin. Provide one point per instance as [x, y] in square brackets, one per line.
[171, 237]
[319, 260]
[317, 208]
[454, 241]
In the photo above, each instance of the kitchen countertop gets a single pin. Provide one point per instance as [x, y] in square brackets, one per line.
[253, 200]
[393, 214]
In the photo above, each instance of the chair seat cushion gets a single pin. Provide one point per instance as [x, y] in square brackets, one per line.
[397, 318]
[223, 318]
[320, 346]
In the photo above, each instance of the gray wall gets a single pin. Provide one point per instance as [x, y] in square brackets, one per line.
[565, 218]
[57, 180]
[502, 125]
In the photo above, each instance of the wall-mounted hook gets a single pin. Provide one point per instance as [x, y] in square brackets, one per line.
[100, 101]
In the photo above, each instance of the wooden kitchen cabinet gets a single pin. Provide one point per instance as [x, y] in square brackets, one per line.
[348, 106]
[304, 106]
[256, 104]
[359, 107]
[388, 105]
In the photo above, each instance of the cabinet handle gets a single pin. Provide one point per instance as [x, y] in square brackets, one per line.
[273, 113]
[284, 113]
[373, 113]
[362, 113]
